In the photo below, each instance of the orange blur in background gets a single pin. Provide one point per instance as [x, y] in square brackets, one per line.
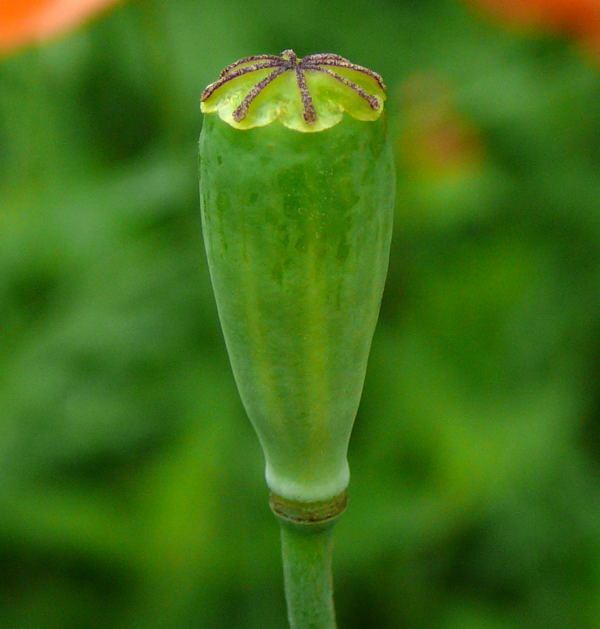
[577, 18]
[24, 22]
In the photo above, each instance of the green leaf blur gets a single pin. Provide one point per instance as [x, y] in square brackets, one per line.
[132, 492]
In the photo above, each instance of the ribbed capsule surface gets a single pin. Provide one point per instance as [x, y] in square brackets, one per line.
[297, 228]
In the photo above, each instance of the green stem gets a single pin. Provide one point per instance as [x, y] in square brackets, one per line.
[306, 551]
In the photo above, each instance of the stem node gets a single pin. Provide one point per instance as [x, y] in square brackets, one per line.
[320, 514]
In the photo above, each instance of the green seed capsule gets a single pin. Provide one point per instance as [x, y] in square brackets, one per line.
[297, 187]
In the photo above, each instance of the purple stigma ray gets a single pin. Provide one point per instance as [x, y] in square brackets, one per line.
[329, 59]
[209, 91]
[240, 62]
[242, 111]
[373, 102]
[288, 61]
[310, 113]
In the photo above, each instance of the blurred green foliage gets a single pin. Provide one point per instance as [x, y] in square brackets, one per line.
[132, 491]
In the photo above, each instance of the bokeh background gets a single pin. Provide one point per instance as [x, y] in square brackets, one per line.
[131, 483]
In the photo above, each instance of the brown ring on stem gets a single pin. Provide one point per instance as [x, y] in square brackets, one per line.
[311, 514]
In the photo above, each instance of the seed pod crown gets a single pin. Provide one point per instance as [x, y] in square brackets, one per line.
[305, 94]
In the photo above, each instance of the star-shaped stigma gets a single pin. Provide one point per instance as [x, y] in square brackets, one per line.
[324, 63]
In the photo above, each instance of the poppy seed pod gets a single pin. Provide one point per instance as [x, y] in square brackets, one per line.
[297, 189]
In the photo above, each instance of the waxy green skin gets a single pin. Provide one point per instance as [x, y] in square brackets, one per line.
[297, 228]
